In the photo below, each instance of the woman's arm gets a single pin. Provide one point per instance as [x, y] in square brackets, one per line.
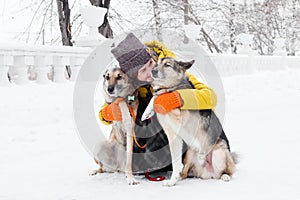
[200, 98]
[100, 115]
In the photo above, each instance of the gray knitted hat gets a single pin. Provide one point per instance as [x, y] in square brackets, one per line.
[131, 54]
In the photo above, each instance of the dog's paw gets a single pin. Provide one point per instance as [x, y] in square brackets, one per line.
[149, 111]
[183, 175]
[169, 183]
[225, 177]
[94, 172]
[147, 114]
[131, 181]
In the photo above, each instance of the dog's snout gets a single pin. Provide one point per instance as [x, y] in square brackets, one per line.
[110, 89]
[154, 72]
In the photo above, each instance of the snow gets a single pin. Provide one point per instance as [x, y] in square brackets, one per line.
[41, 156]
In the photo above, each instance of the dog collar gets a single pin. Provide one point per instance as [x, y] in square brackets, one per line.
[130, 98]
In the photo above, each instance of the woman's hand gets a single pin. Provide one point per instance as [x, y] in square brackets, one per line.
[112, 111]
[168, 101]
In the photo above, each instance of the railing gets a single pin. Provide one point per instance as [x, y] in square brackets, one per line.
[229, 65]
[23, 63]
[42, 64]
[46, 64]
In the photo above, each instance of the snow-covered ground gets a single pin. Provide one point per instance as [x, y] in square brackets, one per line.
[41, 156]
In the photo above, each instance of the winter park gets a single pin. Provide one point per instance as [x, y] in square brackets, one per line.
[65, 64]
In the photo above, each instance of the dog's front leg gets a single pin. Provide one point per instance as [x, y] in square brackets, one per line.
[149, 111]
[176, 144]
[128, 169]
[129, 127]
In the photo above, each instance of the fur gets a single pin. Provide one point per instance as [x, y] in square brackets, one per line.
[207, 155]
[115, 155]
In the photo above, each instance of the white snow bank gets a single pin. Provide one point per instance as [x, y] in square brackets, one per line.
[41, 156]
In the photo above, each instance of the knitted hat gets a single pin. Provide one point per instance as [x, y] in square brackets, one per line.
[131, 54]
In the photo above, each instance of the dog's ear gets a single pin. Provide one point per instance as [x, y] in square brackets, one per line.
[104, 73]
[186, 65]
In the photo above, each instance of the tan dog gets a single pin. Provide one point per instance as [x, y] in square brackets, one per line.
[115, 154]
[207, 155]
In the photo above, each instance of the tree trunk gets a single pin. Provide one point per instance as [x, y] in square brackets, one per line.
[269, 32]
[65, 26]
[156, 13]
[185, 17]
[64, 21]
[246, 17]
[232, 27]
[105, 28]
[293, 36]
[284, 28]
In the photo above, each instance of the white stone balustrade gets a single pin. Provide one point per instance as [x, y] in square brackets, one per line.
[246, 61]
[230, 65]
[43, 64]
[18, 59]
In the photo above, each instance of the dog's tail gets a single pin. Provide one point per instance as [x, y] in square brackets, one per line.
[235, 157]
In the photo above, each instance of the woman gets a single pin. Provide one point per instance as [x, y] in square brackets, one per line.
[137, 60]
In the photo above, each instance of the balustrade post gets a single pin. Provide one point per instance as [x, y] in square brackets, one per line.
[21, 64]
[5, 62]
[42, 68]
[76, 63]
[19, 70]
[59, 64]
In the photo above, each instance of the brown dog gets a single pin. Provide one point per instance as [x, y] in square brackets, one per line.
[115, 154]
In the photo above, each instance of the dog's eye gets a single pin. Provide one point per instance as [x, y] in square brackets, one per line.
[167, 65]
[119, 77]
[107, 78]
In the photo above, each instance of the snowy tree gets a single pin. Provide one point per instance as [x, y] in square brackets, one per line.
[221, 21]
[263, 25]
[64, 21]
[156, 13]
[190, 15]
[293, 26]
[269, 31]
[64, 24]
[44, 25]
[232, 26]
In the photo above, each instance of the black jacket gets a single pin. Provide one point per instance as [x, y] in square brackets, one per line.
[156, 156]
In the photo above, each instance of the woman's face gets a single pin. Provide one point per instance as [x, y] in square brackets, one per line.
[144, 74]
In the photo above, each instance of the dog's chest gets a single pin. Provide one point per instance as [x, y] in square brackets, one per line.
[185, 124]
[120, 131]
